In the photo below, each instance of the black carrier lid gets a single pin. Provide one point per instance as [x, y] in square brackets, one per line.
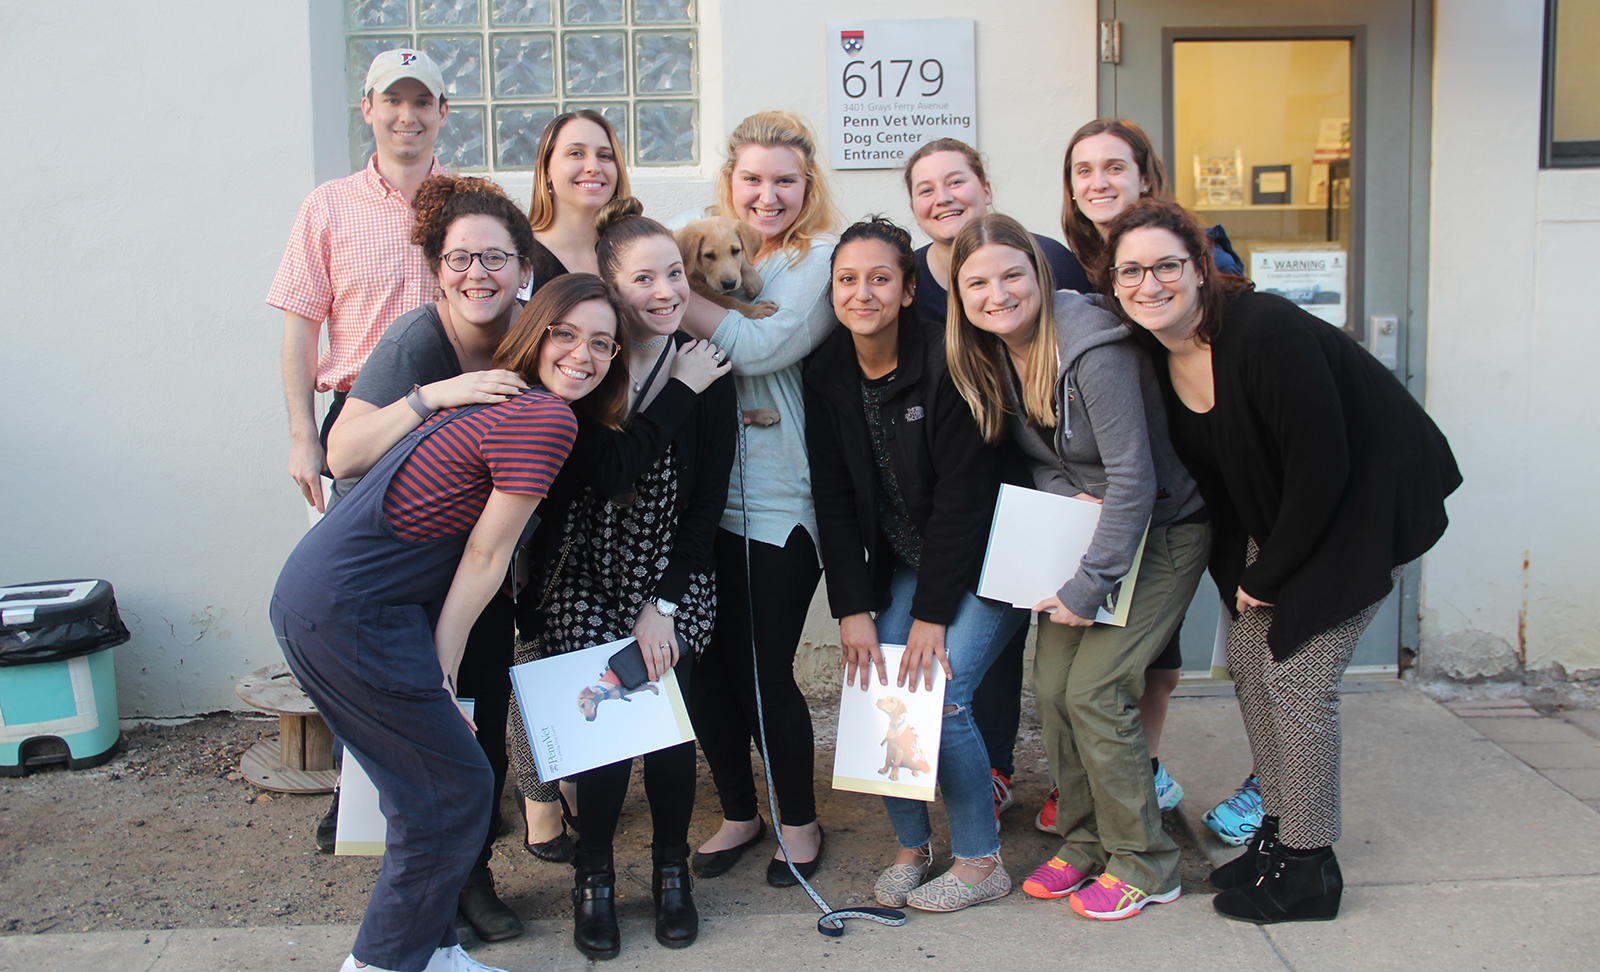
[57, 620]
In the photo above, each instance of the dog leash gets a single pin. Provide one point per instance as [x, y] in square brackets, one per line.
[832, 921]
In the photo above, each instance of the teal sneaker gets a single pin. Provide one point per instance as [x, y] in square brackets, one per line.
[1168, 791]
[1236, 819]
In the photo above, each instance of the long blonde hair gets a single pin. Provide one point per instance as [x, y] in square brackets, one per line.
[783, 129]
[978, 360]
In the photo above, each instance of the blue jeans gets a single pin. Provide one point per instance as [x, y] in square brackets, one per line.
[971, 642]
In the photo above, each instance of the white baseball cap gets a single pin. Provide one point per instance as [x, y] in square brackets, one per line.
[403, 62]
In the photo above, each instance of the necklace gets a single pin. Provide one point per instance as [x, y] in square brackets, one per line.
[638, 386]
[648, 345]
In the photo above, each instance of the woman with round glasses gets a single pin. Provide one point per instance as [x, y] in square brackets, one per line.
[373, 609]
[628, 552]
[1325, 477]
[1067, 383]
[439, 356]
[577, 171]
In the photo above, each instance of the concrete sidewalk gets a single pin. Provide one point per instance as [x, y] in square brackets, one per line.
[1457, 853]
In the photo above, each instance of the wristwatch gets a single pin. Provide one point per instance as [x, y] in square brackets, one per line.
[414, 399]
[666, 608]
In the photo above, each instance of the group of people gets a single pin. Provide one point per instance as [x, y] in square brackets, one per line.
[488, 363]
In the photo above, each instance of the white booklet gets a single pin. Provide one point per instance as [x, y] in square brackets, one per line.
[579, 716]
[888, 739]
[362, 831]
[1036, 543]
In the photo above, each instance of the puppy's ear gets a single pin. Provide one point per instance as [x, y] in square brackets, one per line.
[751, 238]
[689, 244]
[749, 277]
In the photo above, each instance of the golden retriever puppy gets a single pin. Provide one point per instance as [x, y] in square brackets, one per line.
[716, 253]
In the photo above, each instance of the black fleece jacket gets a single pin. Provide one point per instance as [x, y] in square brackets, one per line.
[948, 476]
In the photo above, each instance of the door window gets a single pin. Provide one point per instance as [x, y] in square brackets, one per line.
[1261, 145]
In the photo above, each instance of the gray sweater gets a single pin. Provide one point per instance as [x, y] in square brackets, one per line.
[1110, 442]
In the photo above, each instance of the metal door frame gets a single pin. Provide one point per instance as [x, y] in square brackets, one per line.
[1413, 348]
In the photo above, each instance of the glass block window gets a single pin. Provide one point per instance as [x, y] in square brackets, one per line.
[510, 66]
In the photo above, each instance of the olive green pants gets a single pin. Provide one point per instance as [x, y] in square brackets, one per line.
[1088, 682]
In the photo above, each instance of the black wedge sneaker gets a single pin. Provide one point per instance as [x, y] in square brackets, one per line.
[1247, 867]
[1294, 886]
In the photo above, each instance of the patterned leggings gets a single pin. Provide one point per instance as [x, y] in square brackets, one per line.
[1291, 713]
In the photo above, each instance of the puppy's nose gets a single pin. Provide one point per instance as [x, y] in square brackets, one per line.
[728, 283]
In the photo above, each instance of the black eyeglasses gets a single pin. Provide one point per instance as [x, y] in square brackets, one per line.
[567, 338]
[1132, 274]
[492, 259]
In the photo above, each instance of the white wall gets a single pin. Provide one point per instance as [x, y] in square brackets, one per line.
[1511, 344]
[155, 165]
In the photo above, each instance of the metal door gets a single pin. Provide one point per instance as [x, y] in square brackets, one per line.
[1242, 100]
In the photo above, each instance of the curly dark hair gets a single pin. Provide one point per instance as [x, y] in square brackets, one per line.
[443, 199]
[1216, 287]
[887, 232]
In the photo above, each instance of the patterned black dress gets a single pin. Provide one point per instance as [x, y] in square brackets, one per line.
[614, 555]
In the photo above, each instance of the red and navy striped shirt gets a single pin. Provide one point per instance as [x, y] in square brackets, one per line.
[515, 447]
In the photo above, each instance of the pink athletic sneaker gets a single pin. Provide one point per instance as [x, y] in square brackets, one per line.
[1110, 899]
[1054, 878]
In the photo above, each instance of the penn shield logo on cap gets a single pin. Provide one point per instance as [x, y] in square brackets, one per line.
[406, 57]
[852, 40]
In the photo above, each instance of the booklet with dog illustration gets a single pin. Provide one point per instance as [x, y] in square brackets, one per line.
[360, 829]
[580, 712]
[888, 739]
[1035, 545]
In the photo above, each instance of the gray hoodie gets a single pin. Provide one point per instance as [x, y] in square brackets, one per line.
[1110, 442]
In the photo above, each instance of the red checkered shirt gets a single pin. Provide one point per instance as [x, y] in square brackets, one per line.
[350, 261]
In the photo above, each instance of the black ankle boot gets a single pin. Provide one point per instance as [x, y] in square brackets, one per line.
[1294, 886]
[677, 919]
[494, 921]
[1247, 867]
[594, 911]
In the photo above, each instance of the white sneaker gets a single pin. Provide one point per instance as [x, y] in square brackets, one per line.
[456, 959]
[351, 966]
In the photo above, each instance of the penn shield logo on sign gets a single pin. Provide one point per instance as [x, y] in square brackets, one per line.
[851, 40]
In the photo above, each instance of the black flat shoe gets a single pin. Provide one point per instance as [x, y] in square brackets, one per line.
[779, 875]
[557, 850]
[491, 917]
[720, 862]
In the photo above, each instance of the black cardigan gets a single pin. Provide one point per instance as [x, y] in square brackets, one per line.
[702, 428]
[1322, 456]
[948, 476]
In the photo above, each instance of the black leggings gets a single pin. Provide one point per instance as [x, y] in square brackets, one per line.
[723, 703]
[668, 786]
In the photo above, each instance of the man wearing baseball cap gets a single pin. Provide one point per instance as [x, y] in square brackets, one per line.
[350, 261]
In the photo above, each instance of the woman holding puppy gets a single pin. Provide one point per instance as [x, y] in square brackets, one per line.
[629, 553]
[771, 181]
[900, 470]
[1065, 380]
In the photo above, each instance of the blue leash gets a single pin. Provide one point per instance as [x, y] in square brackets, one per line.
[832, 921]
